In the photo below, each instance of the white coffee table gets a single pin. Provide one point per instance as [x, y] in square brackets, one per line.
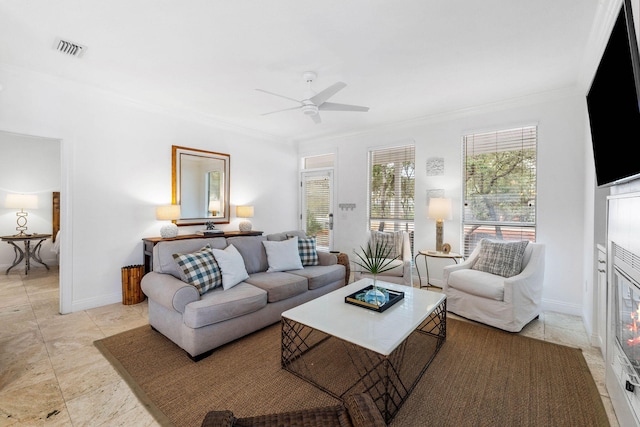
[342, 348]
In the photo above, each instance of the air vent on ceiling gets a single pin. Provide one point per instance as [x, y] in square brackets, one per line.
[70, 48]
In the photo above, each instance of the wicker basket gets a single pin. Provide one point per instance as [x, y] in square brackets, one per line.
[131, 291]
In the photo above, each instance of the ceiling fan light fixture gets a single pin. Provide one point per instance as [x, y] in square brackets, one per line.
[310, 110]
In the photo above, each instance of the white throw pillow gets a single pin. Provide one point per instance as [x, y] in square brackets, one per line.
[283, 256]
[232, 266]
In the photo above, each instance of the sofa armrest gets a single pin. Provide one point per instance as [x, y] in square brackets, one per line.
[363, 411]
[168, 291]
[326, 258]
[219, 419]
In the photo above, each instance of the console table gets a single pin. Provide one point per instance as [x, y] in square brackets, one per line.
[149, 242]
[29, 252]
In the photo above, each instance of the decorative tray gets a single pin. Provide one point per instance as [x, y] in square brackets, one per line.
[357, 298]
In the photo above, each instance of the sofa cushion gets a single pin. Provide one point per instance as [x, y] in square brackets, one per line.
[279, 285]
[199, 269]
[283, 255]
[278, 237]
[307, 251]
[252, 251]
[219, 305]
[321, 275]
[501, 258]
[478, 283]
[232, 266]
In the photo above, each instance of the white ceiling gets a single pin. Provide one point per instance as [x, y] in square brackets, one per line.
[404, 59]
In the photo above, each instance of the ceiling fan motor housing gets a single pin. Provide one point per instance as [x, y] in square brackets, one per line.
[310, 109]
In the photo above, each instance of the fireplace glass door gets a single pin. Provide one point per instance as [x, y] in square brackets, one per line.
[628, 317]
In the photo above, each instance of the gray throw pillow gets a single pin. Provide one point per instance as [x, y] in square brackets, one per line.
[501, 258]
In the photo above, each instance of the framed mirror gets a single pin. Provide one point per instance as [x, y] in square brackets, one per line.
[200, 185]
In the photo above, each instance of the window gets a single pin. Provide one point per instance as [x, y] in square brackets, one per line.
[499, 186]
[392, 189]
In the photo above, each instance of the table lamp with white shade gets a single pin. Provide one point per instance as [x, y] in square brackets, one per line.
[214, 207]
[22, 202]
[244, 212]
[168, 213]
[439, 209]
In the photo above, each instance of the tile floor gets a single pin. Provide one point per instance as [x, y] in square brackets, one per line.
[52, 374]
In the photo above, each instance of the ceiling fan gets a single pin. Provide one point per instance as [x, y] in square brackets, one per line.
[313, 102]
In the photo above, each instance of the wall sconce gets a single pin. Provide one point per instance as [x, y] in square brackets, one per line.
[244, 212]
[168, 213]
[439, 209]
[214, 207]
[22, 202]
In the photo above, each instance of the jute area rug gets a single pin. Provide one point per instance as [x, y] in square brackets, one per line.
[480, 377]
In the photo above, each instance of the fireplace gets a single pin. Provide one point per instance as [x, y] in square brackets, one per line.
[623, 331]
[626, 290]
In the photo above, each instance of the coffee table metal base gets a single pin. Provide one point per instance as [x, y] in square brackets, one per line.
[341, 368]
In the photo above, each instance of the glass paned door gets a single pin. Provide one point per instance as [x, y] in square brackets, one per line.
[317, 201]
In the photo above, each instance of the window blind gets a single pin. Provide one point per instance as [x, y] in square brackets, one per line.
[500, 179]
[392, 188]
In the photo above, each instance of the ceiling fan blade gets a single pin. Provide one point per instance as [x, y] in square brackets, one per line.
[321, 97]
[281, 96]
[316, 118]
[286, 109]
[332, 106]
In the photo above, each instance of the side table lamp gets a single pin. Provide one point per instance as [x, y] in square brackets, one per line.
[22, 202]
[244, 212]
[168, 213]
[439, 209]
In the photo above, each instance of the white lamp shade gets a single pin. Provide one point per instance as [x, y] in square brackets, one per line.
[168, 212]
[439, 208]
[244, 211]
[214, 205]
[21, 201]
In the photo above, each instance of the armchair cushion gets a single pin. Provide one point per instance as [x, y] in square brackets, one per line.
[501, 258]
[478, 283]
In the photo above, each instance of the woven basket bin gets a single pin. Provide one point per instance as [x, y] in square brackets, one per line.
[131, 291]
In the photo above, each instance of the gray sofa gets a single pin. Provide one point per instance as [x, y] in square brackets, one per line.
[200, 323]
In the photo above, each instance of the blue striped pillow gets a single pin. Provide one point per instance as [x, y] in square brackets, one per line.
[199, 269]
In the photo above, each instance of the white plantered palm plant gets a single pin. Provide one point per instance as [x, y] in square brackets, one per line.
[375, 260]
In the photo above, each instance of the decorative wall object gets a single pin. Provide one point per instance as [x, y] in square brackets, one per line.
[345, 206]
[435, 166]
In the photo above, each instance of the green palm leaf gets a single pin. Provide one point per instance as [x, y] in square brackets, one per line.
[374, 259]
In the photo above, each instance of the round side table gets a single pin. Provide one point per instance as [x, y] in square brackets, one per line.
[433, 254]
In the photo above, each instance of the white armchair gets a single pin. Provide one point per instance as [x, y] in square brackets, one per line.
[401, 273]
[505, 303]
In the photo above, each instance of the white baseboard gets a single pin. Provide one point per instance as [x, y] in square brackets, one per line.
[95, 302]
[561, 307]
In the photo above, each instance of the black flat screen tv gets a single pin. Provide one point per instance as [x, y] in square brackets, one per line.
[613, 103]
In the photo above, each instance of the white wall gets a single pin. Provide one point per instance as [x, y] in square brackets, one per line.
[31, 166]
[560, 120]
[116, 168]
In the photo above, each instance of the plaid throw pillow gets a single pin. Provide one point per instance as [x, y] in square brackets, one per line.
[199, 269]
[501, 258]
[390, 241]
[307, 250]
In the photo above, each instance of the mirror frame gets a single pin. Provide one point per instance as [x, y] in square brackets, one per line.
[176, 153]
